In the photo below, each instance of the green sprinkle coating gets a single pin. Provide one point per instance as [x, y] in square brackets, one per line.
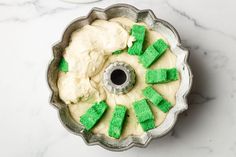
[117, 52]
[149, 56]
[172, 74]
[116, 124]
[161, 75]
[136, 47]
[164, 105]
[142, 110]
[152, 53]
[63, 65]
[160, 46]
[155, 76]
[93, 114]
[153, 96]
[144, 114]
[148, 124]
[138, 32]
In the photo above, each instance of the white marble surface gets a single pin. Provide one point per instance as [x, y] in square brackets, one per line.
[30, 126]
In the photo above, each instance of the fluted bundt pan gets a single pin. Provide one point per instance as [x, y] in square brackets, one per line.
[167, 31]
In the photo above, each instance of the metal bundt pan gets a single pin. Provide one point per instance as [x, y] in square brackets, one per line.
[153, 22]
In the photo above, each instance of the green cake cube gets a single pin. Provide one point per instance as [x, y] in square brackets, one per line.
[138, 29]
[142, 110]
[149, 56]
[135, 49]
[93, 114]
[156, 99]
[144, 114]
[152, 95]
[172, 74]
[63, 65]
[116, 124]
[161, 75]
[148, 124]
[164, 106]
[160, 46]
[138, 32]
[100, 107]
[120, 111]
[153, 52]
[87, 121]
[156, 76]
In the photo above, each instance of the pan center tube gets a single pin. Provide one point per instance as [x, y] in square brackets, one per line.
[119, 78]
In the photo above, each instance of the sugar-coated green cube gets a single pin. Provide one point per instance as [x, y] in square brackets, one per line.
[139, 36]
[138, 28]
[172, 74]
[152, 95]
[93, 114]
[153, 52]
[116, 124]
[136, 48]
[142, 110]
[160, 46]
[114, 132]
[144, 114]
[88, 121]
[149, 56]
[63, 65]
[119, 111]
[100, 107]
[164, 106]
[156, 76]
[161, 75]
[148, 124]
[138, 32]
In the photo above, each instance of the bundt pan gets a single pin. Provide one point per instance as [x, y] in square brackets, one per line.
[166, 30]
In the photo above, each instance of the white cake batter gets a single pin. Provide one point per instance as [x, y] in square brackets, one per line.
[89, 53]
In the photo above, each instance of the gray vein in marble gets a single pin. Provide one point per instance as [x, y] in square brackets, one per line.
[197, 24]
[15, 19]
[31, 2]
[42, 11]
[198, 98]
[182, 13]
[56, 10]
[48, 12]
[43, 149]
[206, 148]
[219, 59]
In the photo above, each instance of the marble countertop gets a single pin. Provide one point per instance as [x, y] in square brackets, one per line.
[30, 126]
